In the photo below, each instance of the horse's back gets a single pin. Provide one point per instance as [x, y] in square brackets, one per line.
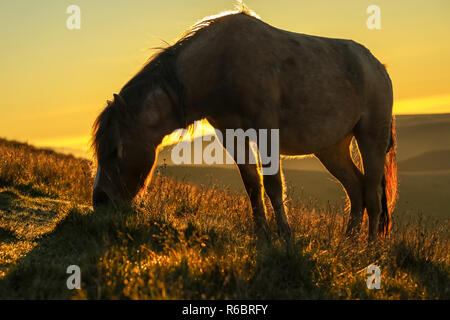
[313, 88]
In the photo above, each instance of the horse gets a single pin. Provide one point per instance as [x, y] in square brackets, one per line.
[236, 71]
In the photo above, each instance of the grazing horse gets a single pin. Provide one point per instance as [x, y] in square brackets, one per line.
[236, 71]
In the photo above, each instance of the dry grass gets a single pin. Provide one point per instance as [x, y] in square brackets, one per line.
[40, 172]
[188, 242]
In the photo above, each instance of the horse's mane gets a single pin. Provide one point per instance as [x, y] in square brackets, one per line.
[159, 71]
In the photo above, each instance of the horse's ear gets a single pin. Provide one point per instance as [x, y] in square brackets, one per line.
[120, 105]
[119, 100]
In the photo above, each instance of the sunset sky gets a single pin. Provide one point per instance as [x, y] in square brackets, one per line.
[54, 81]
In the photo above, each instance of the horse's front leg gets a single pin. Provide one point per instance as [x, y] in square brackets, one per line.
[273, 184]
[252, 182]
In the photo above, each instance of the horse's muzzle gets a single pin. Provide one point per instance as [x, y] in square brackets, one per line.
[99, 198]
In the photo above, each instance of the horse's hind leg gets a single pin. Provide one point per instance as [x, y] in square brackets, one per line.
[338, 162]
[273, 184]
[252, 182]
[373, 139]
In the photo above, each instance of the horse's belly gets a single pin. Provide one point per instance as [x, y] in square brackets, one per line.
[303, 136]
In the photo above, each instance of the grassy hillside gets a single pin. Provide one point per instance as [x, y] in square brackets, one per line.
[185, 241]
[41, 172]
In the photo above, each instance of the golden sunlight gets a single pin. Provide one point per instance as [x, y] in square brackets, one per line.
[198, 129]
[423, 105]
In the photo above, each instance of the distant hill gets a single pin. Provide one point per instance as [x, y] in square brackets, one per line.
[407, 120]
[438, 160]
[419, 192]
[417, 134]
[290, 163]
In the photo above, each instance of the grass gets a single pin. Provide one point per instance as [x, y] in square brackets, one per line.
[183, 241]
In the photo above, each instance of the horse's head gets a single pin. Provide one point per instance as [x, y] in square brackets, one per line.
[125, 142]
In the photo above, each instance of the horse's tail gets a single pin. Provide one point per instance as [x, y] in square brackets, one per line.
[389, 183]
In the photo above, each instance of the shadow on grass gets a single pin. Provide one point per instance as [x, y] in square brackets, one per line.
[433, 276]
[29, 190]
[7, 235]
[285, 272]
[85, 238]
[80, 239]
[7, 197]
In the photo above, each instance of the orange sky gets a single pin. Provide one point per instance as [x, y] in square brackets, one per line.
[54, 81]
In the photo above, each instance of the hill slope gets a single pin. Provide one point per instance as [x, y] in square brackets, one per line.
[430, 161]
[417, 134]
[183, 241]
